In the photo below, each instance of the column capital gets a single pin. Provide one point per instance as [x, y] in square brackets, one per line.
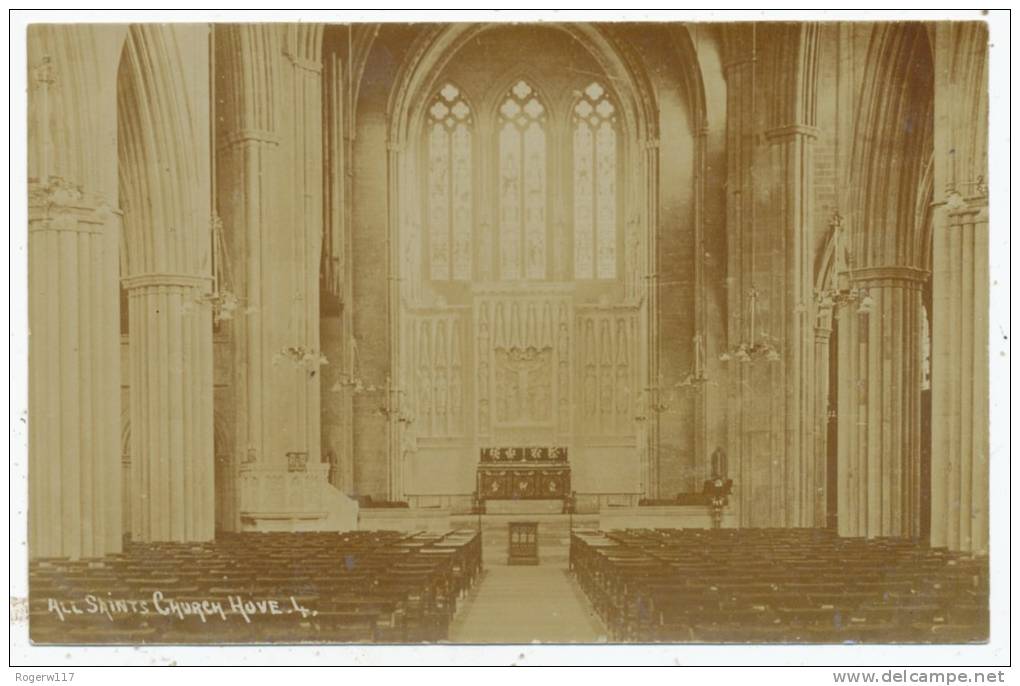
[58, 205]
[44, 72]
[304, 63]
[891, 276]
[782, 133]
[167, 279]
[248, 135]
[737, 62]
[57, 191]
[967, 209]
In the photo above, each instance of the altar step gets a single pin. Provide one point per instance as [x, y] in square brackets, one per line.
[524, 507]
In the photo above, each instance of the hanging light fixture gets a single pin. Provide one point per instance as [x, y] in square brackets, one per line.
[224, 302]
[696, 376]
[840, 290]
[351, 379]
[755, 346]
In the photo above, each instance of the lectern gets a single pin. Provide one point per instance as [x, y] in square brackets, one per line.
[523, 549]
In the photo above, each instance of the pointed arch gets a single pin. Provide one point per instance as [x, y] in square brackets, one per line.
[435, 47]
[165, 185]
[893, 130]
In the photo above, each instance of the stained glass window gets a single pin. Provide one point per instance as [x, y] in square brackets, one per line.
[522, 184]
[449, 196]
[595, 175]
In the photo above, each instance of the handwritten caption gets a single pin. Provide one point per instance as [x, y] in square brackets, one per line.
[159, 604]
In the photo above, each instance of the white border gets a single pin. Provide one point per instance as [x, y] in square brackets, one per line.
[995, 653]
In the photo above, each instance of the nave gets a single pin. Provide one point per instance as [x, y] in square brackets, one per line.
[779, 586]
[351, 587]
[633, 585]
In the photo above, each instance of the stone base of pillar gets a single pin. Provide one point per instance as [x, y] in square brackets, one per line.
[282, 499]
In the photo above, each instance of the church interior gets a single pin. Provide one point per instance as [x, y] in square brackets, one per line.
[564, 332]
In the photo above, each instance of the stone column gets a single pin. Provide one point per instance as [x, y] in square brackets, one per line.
[304, 115]
[337, 436]
[769, 247]
[247, 155]
[959, 476]
[792, 152]
[739, 198]
[171, 407]
[270, 200]
[960, 290]
[880, 406]
[165, 180]
[649, 321]
[74, 501]
[701, 394]
[820, 416]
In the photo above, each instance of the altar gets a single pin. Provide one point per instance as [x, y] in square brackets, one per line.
[523, 473]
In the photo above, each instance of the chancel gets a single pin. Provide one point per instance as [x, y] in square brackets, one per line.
[510, 333]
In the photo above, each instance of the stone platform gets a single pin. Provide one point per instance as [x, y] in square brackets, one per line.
[523, 507]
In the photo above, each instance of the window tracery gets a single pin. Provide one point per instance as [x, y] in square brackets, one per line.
[522, 184]
[595, 175]
[450, 193]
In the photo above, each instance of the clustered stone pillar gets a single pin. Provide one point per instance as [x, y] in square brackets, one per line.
[960, 381]
[164, 168]
[739, 199]
[305, 115]
[73, 251]
[880, 406]
[960, 285]
[170, 367]
[770, 249]
[269, 198]
[247, 153]
[793, 152]
[820, 413]
[880, 445]
[651, 456]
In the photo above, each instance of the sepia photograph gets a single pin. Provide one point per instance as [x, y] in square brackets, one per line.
[497, 332]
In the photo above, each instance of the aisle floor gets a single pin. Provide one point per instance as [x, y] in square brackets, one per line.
[526, 605]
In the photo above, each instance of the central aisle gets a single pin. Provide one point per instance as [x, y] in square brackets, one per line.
[526, 605]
